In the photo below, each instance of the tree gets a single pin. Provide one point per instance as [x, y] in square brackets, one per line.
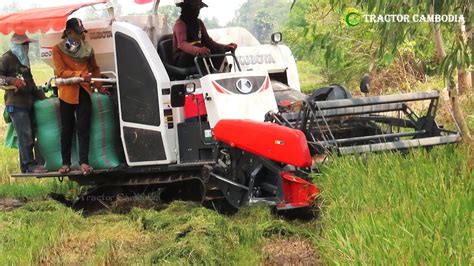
[459, 56]
[262, 17]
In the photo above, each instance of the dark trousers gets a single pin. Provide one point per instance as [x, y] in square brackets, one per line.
[76, 116]
[183, 59]
[22, 120]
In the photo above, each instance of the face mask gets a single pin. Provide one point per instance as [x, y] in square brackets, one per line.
[21, 52]
[191, 12]
[72, 45]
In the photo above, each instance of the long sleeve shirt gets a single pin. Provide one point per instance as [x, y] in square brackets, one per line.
[183, 43]
[67, 67]
[11, 69]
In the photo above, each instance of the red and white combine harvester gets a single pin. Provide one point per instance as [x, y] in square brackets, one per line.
[256, 135]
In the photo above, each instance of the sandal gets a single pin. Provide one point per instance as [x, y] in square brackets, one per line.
[64, 170]
[86, 169]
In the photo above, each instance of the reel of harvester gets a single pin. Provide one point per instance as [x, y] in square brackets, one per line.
[369, 124]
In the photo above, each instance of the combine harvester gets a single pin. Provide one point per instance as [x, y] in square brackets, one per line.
[257, 137]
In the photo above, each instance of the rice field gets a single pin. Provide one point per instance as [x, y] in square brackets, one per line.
[377, 209]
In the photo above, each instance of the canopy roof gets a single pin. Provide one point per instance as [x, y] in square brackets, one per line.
[42, 19]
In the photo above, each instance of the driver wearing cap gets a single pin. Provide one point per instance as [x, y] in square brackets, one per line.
[190, 37]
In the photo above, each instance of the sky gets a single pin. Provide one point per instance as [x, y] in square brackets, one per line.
[223, 10]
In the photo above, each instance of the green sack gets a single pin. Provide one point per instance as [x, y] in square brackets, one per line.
[104, 133]
[6, 116]
[48, 122]
[11, 139]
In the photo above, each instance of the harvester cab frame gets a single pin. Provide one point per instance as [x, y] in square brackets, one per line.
[246, 133]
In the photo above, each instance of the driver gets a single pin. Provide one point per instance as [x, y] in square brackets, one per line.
[190, 37]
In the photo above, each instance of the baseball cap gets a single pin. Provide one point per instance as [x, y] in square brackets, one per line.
[76, 25]
[21, 39]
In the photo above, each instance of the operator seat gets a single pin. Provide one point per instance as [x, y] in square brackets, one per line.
[165, 50]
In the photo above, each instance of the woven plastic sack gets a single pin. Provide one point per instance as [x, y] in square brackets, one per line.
[48, 123]
[104, 133]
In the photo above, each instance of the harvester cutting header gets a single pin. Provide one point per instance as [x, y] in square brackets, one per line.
[218, 120]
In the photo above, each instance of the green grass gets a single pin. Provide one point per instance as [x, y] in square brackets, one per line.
[9, 162]
[396, 209]
[28, 232]
[376, 209]
[190, 234]
[35, 189]
[182, 233]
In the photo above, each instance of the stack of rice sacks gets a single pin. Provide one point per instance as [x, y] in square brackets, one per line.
[103, 139]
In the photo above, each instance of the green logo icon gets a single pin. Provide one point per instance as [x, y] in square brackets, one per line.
[352, 17]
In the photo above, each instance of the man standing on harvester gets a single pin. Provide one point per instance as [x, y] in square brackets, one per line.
[74, 57]
[15, 75]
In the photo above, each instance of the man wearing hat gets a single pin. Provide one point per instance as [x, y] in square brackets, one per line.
[190, 37]
[74, 57]
[20, 94]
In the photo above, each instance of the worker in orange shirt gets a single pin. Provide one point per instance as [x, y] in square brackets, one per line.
[74, 57]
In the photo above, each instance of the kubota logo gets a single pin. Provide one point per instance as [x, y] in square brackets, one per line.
[352, 17]
[244, 86]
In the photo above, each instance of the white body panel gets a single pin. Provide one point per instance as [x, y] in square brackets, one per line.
[252, 106]
[149, 51]
[255, 56]
[270, 58]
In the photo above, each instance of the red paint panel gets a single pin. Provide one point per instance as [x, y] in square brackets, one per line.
[265, 85]
[271, 141]
[194, 106]
[297, 192]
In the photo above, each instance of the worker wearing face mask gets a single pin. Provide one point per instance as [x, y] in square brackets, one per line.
[190, 37]
[74, 57]
[20, 94]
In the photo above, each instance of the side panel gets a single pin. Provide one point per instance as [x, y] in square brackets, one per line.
[195, 142]
[147, 138]
[144, 145]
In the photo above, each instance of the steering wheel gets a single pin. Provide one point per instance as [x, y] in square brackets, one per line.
[209, 66]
